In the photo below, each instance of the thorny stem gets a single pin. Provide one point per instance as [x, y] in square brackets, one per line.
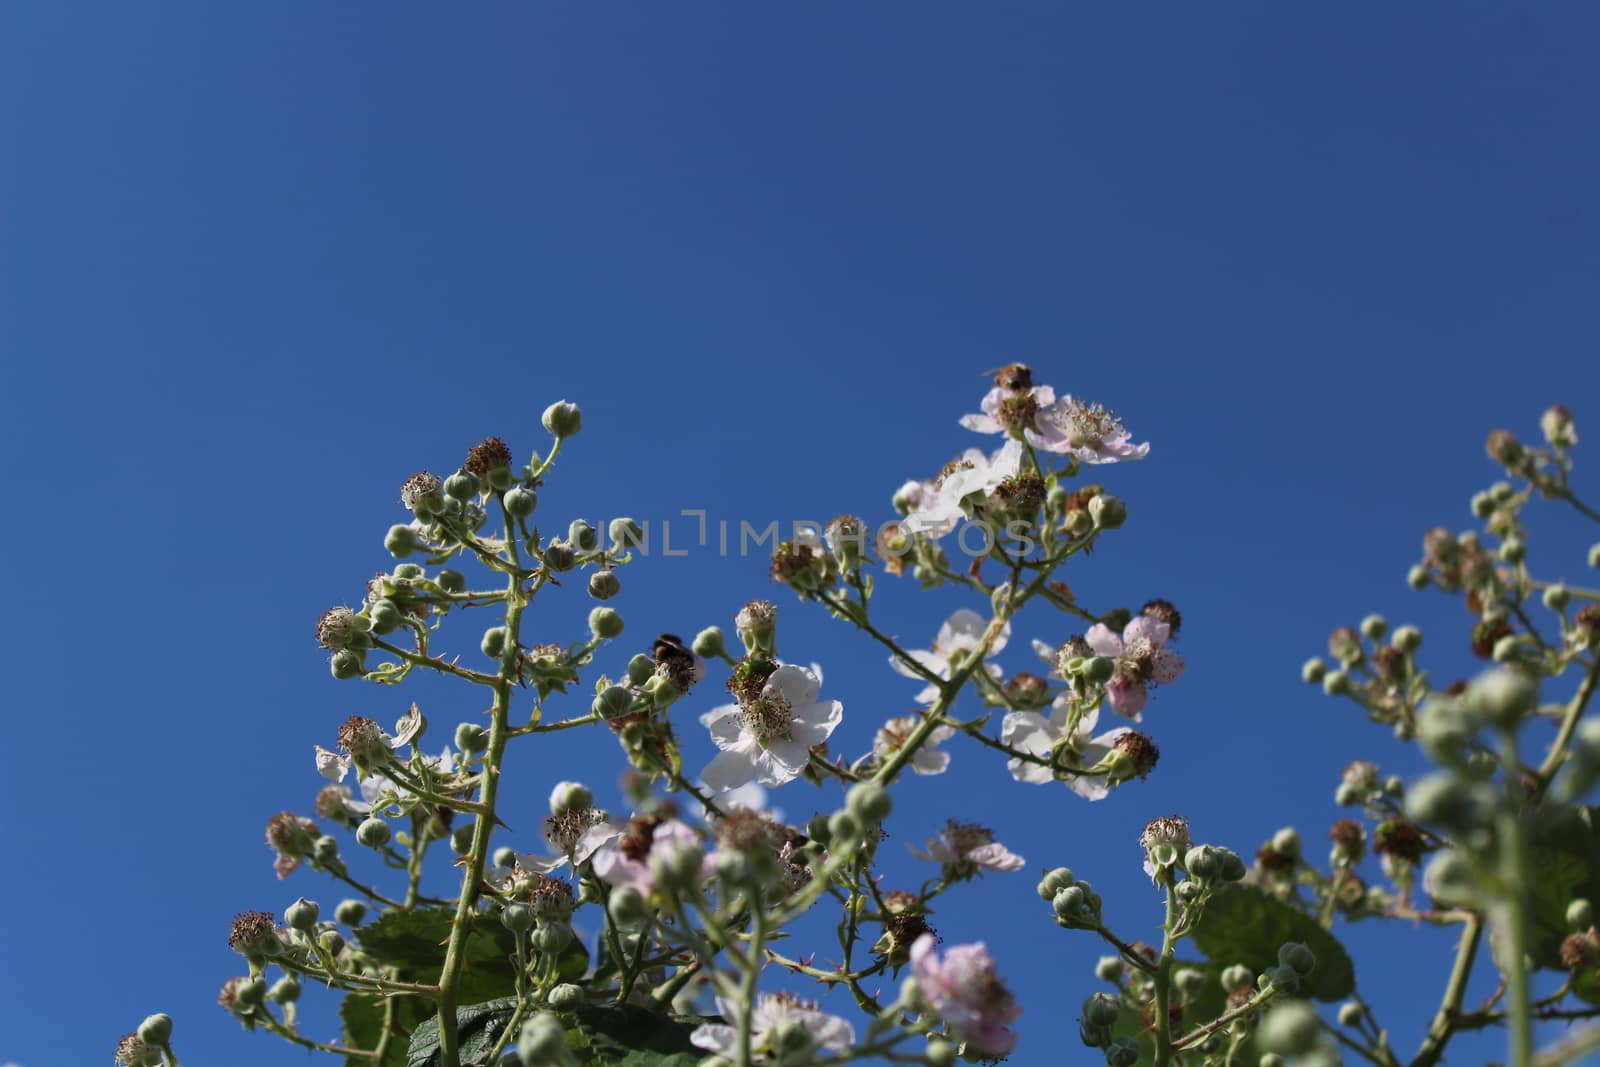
[1513, 915]
[1163, 980]
[1569, 724]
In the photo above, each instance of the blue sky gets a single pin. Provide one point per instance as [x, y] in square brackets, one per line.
[259, 262]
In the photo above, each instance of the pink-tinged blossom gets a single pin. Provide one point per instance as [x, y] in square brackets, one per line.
[960, 636]
[1036, 735]
[770, 1011]
[769, 739]
[1002, 406]
[625, 858]
[963, 850]
[964, 990]
[1090, 432]
[575, 835]
[940, 509]
[1141, 661]
[927, 759]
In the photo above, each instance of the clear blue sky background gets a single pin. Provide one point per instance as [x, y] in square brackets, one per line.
[259, 262]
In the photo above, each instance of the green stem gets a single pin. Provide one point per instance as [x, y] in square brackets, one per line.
[1569, 724]
[1444, 1021]
[1514, 915]
[1163, 982]
[752, 973]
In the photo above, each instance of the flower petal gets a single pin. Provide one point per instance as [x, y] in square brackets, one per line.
[1103, 641]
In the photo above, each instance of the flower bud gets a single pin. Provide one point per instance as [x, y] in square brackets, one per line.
[1417, 577]
[1580, 915]
[156, 1029]
[625, 905]
[613, 701]
[1290, 1028]
[1294, 955]
[1110, 969]
[350, 912]
[302, 915]
[1123, 1051]
[1054, 882]
[517, 917]
[1287, 842]
[346, 664]
[471, 738]
[1501, 696]
[285, 990]
[570, 796]
[1513, 550]
[1482, 504]
[461, 838]
[1203, 863]
[1335, 683]
[675, 865]
[1107, 511]
[869, 802]
[1101, 1010]
[1374, 627]
[1504, 448]
[462, 485]
[605, 623]
[562, 419]
[559, 557]
[1448, 801]
[603, 585]
[493, 644]
[940, 1053]
[1407, 639]
[1313, 670]
[332, 942]
[385, 616]
[324, 850]
[1238, 976]
[1097, 670]
[1449, 880]
[624, 534]
[1350, 1013]
[708, 643]
[542, 1041]
[373, 832]
[1558, 428]
[553, 936]
[250, 992]
[401, 541]
[843, 826]
[565, 997]
[640, 669]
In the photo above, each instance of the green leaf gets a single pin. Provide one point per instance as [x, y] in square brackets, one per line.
[1563, 863]
[478, 1028]
[1241, 924]
[631, 1036]
[414, 941]
[1210, 1002]
[363, 1027]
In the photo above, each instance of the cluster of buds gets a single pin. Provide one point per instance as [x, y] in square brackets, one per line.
[805, 566]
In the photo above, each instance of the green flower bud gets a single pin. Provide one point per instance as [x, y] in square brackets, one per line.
[1294, 955]
[1502, 697]
[869, 802]
[1233, 868]
[570, 796]
[1513, 550]
[1237, 977]
[1407, 639]
[407, 572]
[462, 485]
[542, 1041]
[603, 585]
[1580, 915]
[302, 915]
[1417, 577]
[626, 905]
[582, 536]
[640, 669]
[520, 502]
[504, 856]
[624, 534]
[1374, 626]
[494, 642]
[1097, 670]
[708, 643]
[1483, 505]
[613, 701]
[1350, 1013]
[385, 616]
[1271, 1059]
[1101, 1011]
[1107, 511]
[1110, 969]
[1557, 597]
[250, 992]
[1450, 802]
[324, 850]
[156, 1029]
[1335, 683]
[517, 917]
[1594, 555]
[471, 738]
[1123, 1051]
[1203, 863]
[843, 826]
[1557, 426]
[676, 866]
[1313, 670]
[461, 838]
[401, 541]
[562, 419]
[1291, 1028]
[605, 623]
[332, 941]
[285, 990]
[559, 557]
[1189, 982]
[1054, 882]
[1286, 842]
[350, 912]
[565, 997]
[1450, 881]
[553, 936]
[373, 832]
[500, 478]
[1283, 978]
[451, 581]
[346, 663]
[939, 1053]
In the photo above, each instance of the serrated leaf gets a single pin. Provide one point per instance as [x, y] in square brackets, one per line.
[1564, 863]
[631, 1036]
[414, 942]
[1241, 924]
[478, 1028]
